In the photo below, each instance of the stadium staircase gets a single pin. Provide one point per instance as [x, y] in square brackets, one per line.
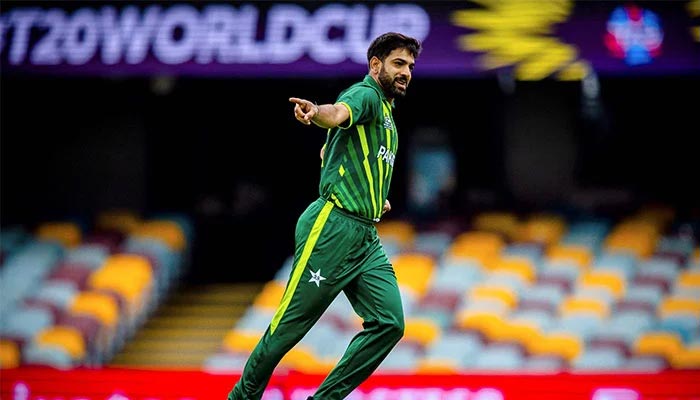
[188, 327]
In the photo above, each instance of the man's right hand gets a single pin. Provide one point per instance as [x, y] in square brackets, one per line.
[304, 110]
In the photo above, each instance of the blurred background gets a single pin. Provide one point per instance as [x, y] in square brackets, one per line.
[545, 217]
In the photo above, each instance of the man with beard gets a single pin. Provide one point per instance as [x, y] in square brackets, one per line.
[336, 243]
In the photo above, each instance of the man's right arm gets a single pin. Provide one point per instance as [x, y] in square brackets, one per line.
[325, 115]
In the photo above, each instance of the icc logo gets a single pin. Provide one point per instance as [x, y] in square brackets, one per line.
[634, 35]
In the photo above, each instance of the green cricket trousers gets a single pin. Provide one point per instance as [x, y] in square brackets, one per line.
[334, 251]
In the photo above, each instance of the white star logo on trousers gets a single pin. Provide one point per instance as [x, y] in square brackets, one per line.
[316, 277]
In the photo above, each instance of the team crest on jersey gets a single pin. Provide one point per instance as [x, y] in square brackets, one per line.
[388, 124]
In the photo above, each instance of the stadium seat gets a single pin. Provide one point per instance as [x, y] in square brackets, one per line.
[543, 228]
[609, 280]
[47, 355]
[486, 291]
[302, 359]
[60, 293]
[414, 271]
[433, 243]
[499, 358]
[580, 256]
[504, 223]
[255, 319]
[167, 231]
[270, 296]
[532, 252]
[237, 341]
[682, 323]
[66, 338]
[552, 295]
[402, 358]
[521, 267]
[664, 344]
[582, 324]
[453, 348]
[9, 354]
[598, 360]
[224, 363]
[686, 358]
[26, 322]
[68, 234]
[565, 345]
[456, 276]
[675, 305]
[75, 273]
[575, 304]
[400, 232]
[624, 262]
[480, 246]
[89, 327]
[421, 331]
[88, 255]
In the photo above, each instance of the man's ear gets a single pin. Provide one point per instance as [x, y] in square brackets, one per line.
[375, 64]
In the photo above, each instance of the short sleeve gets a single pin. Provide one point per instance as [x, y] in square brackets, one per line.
[362, 102]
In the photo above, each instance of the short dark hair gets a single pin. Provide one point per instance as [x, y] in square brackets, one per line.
[385, 43]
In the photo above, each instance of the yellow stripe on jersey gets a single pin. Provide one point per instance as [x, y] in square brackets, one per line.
[365, 163]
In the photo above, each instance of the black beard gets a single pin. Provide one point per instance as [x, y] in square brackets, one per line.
[388, 85]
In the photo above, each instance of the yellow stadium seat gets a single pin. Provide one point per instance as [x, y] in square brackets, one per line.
[673, 305]
[639, 226]
[635, 236]
[518, 266]
[421, 330]
[483, 321]
[237, 341]
[66, 337]
[67, 234]
[689, 279]
[270, 296]
[574, 304]
[567, 346]
[666, 344]
[9, 354]
[579, 255]
[98, 305]
[609, 280]
[520, 332]
[401, 232]
[437, 367]
[301, 359]
[542, 228]
[414, 271]
[686, 358]
[500, 292]
[482, 246]
[169, 232]
[124, 221]
[504, 223]
[320, 366]
[130, 275]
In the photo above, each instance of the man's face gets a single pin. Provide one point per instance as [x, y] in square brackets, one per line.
[395, 73]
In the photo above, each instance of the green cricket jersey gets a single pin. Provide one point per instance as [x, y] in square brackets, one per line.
[359, 156]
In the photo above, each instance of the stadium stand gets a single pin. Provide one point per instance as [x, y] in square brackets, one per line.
[536, 292]
[73, 296]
